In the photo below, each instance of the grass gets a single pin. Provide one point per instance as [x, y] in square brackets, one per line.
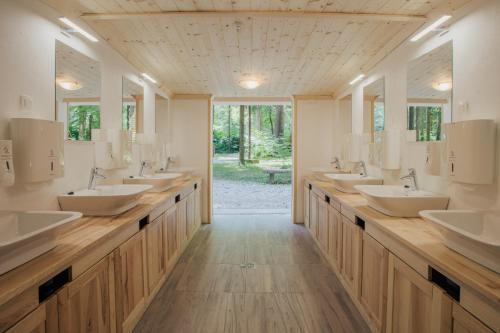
[252, 173]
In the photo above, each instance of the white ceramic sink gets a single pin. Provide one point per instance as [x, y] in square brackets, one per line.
[473, 234]
[395, 200]
[159, 181]
[346, 182]
[103, 200]
[26, 235]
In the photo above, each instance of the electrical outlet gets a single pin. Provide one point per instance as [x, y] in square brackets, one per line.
[25, 102]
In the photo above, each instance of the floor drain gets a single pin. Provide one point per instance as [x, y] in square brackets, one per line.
[247, 265]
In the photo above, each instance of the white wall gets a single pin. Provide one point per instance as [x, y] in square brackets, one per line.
[314, 146]
[476, 78]
[28, 30]
[190, 135]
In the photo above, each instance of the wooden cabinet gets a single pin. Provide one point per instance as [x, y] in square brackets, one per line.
[464, 322]
[198, 205]
[313, 211]
[190, 215]
[306, 205]
[156, 252]
[41, 320]
[351, 255]
[335, 237]
[323, 224]
[170, 235]
[373, 293]
[413, 303]
[181, 222]
[87, 304]
[131, 281]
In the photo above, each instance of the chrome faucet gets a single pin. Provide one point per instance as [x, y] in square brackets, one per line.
[412, 176]
[95, 173]
[362, 165]
[336, 162]
[144, 164]
[169, 160]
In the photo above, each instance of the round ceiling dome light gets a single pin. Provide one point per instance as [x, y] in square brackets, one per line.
[442, 86]
[249, 83]
[68, 83]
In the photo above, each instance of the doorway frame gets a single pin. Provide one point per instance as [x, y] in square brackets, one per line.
[250, 101]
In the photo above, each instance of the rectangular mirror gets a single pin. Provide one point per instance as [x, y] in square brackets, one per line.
[429, 93]
[78, 92]
[132, 106]
[374, 108]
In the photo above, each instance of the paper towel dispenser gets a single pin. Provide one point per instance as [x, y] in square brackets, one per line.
[470, 150]
[39, 149]
[6, 163]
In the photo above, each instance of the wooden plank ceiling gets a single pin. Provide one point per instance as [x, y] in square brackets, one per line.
[290, 54]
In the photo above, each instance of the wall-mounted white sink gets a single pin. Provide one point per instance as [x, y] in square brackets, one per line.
[347, 182]
[26, 235]
[473, 234]
[159, 181]
[103, 200]
[395, 200]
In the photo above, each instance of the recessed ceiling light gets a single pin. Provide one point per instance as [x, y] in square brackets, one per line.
[357, 79]
[68, 83]
[431, 27]
[249, 83]
[442, 86]
[149, 78]
[78, 29]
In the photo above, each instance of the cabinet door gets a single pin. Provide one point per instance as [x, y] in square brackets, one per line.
[373, 292]
[181, 222]
[313, 217]
[414, 305]
[190, 219]
[131, 281]
[197, 205]
[32, 323]
[335, 237]
[351, 254]
[87, 304]
[155, 252]
[306, 205]
[171, 239]
[323, 224]
[464, 322]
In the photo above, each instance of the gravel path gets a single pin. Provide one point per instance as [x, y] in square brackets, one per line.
[238, 195]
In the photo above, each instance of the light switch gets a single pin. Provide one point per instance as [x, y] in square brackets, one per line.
[25, 103]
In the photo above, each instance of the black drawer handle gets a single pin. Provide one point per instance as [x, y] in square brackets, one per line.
[360, 222]
[327, 198]
[51, 286]
[177, 198]
[448, 285]
[143, 222]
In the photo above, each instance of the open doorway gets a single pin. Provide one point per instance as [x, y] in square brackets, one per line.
[252, 162]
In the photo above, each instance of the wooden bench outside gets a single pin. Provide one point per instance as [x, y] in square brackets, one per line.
[272, 172]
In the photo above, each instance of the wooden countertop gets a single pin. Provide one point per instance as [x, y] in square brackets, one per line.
[422, 238]
[77, 239]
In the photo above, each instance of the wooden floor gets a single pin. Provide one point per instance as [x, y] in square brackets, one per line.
[286, 286]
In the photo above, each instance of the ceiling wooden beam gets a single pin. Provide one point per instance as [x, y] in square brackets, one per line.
[249, 13]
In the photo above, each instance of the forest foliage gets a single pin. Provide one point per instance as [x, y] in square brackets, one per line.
[267, 131]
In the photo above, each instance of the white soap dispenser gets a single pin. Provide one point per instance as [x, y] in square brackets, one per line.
[7, 177]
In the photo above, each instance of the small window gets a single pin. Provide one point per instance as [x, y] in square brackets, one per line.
[426, 121]
[378, 117]
[82, 118]
[129, 118]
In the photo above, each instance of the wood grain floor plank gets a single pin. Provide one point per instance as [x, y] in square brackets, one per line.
[290, 288]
